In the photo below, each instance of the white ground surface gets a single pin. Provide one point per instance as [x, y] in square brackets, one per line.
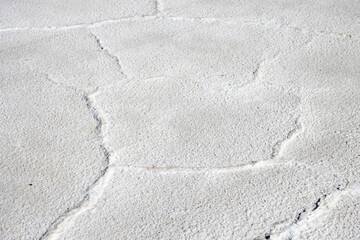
[192, 119]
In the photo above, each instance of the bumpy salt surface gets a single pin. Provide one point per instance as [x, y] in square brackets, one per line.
[180, 120]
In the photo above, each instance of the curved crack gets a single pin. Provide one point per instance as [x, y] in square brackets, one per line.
[321, 209]
[280, 146]
[110, 55]
[231, 169]
[160, 13]
[96, 189]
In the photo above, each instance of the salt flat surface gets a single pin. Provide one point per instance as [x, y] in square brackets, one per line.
[180, 119]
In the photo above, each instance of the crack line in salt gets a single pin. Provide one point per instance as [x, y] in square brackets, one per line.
[321, 210]
[96, 189]
[160, 14]
[281, 146]
[230, 169]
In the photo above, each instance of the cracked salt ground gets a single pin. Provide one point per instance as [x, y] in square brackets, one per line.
[180, 120]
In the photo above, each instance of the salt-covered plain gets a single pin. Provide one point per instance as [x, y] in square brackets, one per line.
[169, 119]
